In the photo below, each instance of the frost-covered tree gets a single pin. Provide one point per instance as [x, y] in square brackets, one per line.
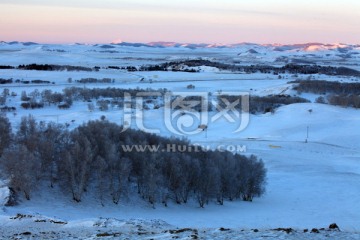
[252, 178]
[91, 107]
[49, 148]
[208, 183]
[77, 165]
[5, 134]
[92, 158]
[28, 133]
[22, 167]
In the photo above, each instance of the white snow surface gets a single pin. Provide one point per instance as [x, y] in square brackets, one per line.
[310, 185]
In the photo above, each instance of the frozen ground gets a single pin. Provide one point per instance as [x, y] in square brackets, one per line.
[310, 185]
[36, 227]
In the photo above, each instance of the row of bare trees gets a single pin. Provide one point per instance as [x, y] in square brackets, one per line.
[261, 104]
[327, 87]
[334, 93]
[97, 159]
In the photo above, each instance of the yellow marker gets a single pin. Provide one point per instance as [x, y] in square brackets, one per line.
[273, 146]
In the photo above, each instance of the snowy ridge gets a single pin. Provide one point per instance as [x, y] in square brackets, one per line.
[276, 47]
[37, 227]
[242, 53]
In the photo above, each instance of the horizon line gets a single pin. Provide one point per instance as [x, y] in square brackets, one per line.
[182, 43]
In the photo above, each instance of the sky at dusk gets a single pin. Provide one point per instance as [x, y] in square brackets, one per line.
[195, 21]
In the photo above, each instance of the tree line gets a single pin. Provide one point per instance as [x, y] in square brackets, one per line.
[326, 87]
[91, 160]
[334, 93]
[10, 81]
[115, 97]
[184, 66]
[53, 67]
[64, 100]
[261, 104]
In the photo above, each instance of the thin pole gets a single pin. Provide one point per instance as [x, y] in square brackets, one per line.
[307, 132]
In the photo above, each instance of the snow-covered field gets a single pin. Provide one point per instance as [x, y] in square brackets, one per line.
[310, 185]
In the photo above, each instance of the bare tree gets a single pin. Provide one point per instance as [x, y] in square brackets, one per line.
[151, 180]
[100, 177]
[91, 107]
[78, 161]
[119, 171]
[5, 134]
[103, 105]
[2, 100]
[208, 184]
[49, 148]
[252, 178]
[28, 133]
[22, 167]
[24, 96]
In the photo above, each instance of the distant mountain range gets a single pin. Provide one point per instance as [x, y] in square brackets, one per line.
[276, 47]
[308, 47]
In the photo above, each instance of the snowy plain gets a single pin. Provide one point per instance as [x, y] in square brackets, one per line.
[310, 185]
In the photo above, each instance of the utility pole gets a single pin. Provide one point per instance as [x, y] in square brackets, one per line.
[307, 132]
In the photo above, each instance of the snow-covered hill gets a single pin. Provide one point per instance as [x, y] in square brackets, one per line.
[246, 53]
[310, 185]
